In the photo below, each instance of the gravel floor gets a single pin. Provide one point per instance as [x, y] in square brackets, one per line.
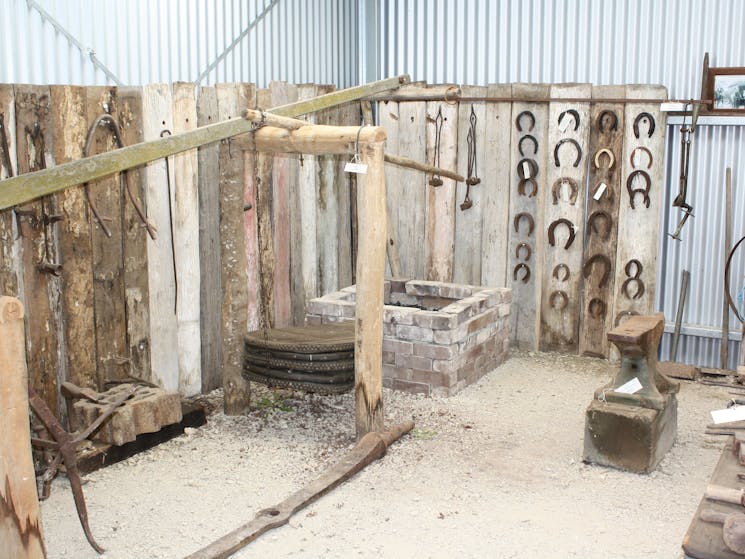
[495, 471]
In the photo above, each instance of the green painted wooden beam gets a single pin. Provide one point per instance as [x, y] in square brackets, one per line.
[23, 188]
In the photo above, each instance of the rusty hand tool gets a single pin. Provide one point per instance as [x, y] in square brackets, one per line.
[733, 529]
[66, 444]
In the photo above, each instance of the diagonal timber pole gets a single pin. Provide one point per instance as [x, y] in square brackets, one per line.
[23, 188]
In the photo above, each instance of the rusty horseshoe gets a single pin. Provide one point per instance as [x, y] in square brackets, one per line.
[518, 120]
[520, 144]
[528, 251]
[521, 266]
[587, 269]
[521, 168]
[558, 295]
[645, 150]
[563, 268]
[639, 288]
[623, 314]
[552, 228]
[533, 187]
[633, 191]
[576, 146]
[600, 123]
[638, 268]
[528, 218]
[650, 120]
[596, 308]
[611, 158]
[593, 226]
[574, 114]
[556, 188]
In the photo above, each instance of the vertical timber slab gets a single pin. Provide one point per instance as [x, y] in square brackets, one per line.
[639, 213]
[251, 232]
[108, 257]
[264, 221]
[20, 521]
[526, 208]
[307, 219]
[129, 109]
[388, 118]
[328, 208]
[232, 99]
[495, 188]
[70, 132]
[282, 93]
[411, 188]
[210, 284]
[601, 226]
[564, 219]
[9, 246]
[35, 144]
[157, 115]
[186, 243]
[368, 383]
[347, 115]
[468, 221]
[440, 200]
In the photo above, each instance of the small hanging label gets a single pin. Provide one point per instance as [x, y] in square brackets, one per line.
[563, 123]
[735, 413]
[356, 166]
[631, 387]
[526, 170]
[599, 191]
[565, 191]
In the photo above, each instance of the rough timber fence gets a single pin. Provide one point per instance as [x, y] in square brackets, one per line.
[244, 240]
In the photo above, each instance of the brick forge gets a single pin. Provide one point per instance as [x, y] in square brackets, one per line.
[437, 337]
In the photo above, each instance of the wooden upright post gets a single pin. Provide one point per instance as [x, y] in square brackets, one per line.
[20, 525]
[371, 211]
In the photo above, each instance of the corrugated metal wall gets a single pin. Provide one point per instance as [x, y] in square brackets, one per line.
[602, 42]
[209, 41]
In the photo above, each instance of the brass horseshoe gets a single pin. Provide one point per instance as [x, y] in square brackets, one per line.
[528, 251]
[650, 120]
[561, 295]
[521, 266]
[645, 150]
[639, 288]
[587, 270]
[519, 119]
[557, 187]
[552, 227]
[574, 114]
[567, 141]
[526, 216]
[521, 187]
[592, 223]
[561, 267]
[601, 119]
[520, 144]
[596, 308]
[533, 168]
[611, 159]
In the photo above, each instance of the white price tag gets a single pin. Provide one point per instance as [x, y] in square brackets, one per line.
[526, 169]
[599, 191]
[735, 413]
[359, 168]
[565, 191]
[631, 387]
[564, 123]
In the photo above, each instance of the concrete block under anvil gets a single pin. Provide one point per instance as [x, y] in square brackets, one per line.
[633, 431]
[146, 411]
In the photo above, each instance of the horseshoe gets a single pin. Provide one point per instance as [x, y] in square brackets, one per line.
[521, 187]
[611, 159]
[563, 267]
[526, 216]
[587, 270]
[632, 191]
[528, 251]
[552, 227]
[639, 118]
[520, 144]
[596, 308]
[519, 119]
[601, 120]
[533, 168]
[592, 223]
[557, 187]
[638, 265]
[639, 288]
[521, 266]
[561, 295]
[572, 112]
[645, 150]
[620, 315]
[576, 146]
